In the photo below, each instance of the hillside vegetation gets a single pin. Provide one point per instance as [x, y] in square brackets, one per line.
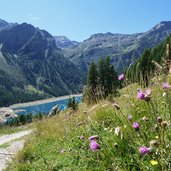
[131, 133]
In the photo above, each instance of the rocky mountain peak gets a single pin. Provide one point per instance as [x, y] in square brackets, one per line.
[3, 23]
[63, 42]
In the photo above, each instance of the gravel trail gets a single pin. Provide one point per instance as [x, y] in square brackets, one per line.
[6, 154]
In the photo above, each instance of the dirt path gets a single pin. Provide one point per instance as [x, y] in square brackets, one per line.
[7, 138]
[6, 154]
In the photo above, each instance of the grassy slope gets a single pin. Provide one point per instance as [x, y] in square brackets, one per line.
[57, 144]
[9, 130]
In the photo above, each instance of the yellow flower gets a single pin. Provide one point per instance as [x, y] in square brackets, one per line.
[157, 137]
[154, 162]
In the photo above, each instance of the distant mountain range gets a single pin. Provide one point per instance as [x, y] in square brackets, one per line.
[122, 48]
[34, 64]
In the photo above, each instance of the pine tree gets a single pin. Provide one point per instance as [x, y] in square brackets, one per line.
[101, 82]
[93, 76]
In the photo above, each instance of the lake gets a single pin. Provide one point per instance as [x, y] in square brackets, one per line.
[46, 107]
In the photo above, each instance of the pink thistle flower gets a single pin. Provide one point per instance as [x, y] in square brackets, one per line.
[147, 92]
[94, 146]
[144, 95]
[140, 95]
[135, 125]
[165, 86]
[144, 150]
[121, 77]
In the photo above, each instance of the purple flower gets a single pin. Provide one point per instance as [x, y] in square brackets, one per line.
[165, 86]
[140, 95]
[135, 125]
[121, 77]
[144, 95]
[147, 92]
[144, 150]
[94, 146]
[94, 137]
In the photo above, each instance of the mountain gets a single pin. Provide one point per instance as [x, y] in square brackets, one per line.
[122, 48]
[5, 25]
[63, 42]
[32, 67]
[36, 65]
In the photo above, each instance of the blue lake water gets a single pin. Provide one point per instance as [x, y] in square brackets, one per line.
[46, 107]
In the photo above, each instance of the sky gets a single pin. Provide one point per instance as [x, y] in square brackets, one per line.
[79, 19]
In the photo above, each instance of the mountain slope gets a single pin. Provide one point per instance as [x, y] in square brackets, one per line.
[63, 42]
[122, 48]
[29, 56]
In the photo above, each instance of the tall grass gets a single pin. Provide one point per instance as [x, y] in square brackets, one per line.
[133, 134]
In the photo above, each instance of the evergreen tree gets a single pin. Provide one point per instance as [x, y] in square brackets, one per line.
[101, 82]
[93, 76]
[72, 103]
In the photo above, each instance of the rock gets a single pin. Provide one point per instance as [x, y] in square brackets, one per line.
[7, 113]
[54, 110]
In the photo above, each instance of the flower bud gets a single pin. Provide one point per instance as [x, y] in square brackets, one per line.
[154, 143]
[164, 124]
[116, 145]
[116, 106]
[159, 119]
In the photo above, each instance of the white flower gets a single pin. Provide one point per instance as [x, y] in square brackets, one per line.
[117, 130]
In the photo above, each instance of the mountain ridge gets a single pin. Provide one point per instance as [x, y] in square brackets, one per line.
[29, 57]
[120, 47]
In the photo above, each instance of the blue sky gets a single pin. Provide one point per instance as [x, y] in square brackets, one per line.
[78, 19]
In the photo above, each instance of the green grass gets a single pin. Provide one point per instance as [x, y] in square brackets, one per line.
[9, 130]
[56, 144]
[4, 145]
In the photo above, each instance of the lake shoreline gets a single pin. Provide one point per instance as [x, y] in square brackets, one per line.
[43, 101]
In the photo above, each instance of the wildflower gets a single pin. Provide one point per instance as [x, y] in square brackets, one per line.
[140, 95]
[136, 126]
[144, 95]
[130, 117]
[117, 130]
[105, 129]
[121, 77]
[148, 92]
[116, 145]
[143, 150]
[94, 146]
[62, 151]
[159, 119]
[165, 86]
[94, 137]
[154, 143]
[156, 137]
[145, 118]
[164, 124]
[154, 162]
